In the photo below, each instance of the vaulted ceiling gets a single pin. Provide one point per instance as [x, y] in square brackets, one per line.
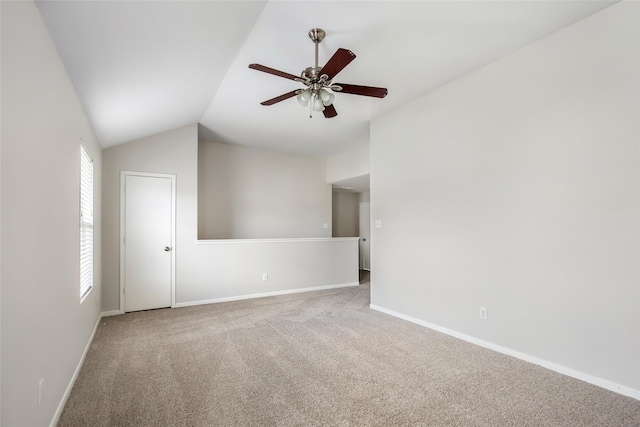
[144, 67]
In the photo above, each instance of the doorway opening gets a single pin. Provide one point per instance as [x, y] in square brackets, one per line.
[351, 217]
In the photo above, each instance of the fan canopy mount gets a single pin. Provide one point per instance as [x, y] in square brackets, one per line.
[317, 35]
[318, 80]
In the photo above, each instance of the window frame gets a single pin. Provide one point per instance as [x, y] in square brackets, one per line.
[86, 208]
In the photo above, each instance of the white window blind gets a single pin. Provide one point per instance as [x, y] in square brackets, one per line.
[86, 222]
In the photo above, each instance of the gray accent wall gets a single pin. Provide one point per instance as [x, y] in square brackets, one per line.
[516, 188]
[345, 214]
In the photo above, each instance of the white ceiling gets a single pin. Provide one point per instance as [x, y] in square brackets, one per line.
[143, 67]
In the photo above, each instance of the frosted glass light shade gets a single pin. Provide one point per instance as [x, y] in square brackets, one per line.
[317, 104]
[304, 97]
[326, 97]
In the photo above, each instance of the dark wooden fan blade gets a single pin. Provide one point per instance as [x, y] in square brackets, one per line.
[329, 111]
[279, 98]
[338, 61]
[376, 92]
[273, 71]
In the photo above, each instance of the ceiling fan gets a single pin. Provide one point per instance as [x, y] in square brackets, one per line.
[318, 79]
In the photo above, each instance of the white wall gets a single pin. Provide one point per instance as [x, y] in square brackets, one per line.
[171, 152]
[232, 269]
[45, 328]
[516, 188]
[246, 193]
[345, 214]
[350, 164]
[214, 270]
[0, 224]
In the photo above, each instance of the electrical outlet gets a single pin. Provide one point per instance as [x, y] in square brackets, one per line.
[40, 391]
[265, 276]
[325, 225]
[483, 313]
[378, 223]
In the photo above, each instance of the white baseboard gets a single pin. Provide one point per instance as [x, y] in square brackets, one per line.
[265, 294]
[606, 384]
[67, 392]
[110, 313]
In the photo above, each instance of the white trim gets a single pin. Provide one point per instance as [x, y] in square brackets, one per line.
[122, 230]
[606, 384]
[265, 294]
[285, 240]
[67, 392]
[123, 175]
[110, 313]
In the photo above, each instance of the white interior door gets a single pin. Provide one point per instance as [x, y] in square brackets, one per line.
[147, 241]
[365, 231]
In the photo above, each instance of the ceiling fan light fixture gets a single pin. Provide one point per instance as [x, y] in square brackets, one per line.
[318, 80]
[317, 104]
[326, 97]
[304, 97]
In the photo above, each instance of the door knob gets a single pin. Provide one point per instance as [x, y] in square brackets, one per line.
[167, 248]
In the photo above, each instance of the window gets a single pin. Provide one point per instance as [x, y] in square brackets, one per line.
[86, 222]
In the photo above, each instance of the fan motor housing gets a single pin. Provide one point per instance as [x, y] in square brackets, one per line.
[311, 73]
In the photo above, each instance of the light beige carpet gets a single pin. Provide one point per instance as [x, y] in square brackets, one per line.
[316, 359]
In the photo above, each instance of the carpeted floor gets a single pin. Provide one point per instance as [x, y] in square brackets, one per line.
[316, 359]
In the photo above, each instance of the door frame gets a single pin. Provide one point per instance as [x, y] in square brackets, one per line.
[362, 255]
[123, 179]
